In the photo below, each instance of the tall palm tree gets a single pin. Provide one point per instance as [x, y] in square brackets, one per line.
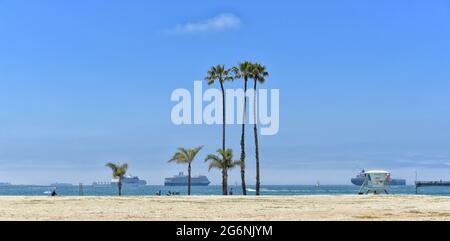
[118, 171]
[259, 75]
[220, 74]
[186, 156]
[223, 161]
[244, 72]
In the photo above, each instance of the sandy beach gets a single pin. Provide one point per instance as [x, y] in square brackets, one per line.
[388, 207]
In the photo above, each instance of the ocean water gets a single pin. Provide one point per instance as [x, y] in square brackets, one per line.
[28, 190]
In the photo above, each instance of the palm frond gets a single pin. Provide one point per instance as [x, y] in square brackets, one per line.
[124, 167]
[212, 157]
[118, 170]
[112, 166]
[194, 151]
[218, 73]
[215, 164]
[185, 155]
[222, 161]
[259, 73]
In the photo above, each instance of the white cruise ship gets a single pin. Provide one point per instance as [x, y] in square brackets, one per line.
[182, 180]
[129, 180]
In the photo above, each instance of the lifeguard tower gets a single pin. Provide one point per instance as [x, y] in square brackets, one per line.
[376, 182]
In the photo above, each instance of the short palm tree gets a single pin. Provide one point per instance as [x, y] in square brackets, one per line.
[244, 72]
[259, 75]
[186, 156]
[221, 74]
[118, 172]
[223, 161]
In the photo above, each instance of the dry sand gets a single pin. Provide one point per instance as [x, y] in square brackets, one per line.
[383, 207]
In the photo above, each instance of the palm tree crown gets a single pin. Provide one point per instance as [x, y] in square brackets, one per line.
[118, 171]
[244, 70]
[223, 161]
[185, 156]
[259, 73]
[218, 73]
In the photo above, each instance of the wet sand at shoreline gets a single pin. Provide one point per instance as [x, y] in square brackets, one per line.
[345, 207]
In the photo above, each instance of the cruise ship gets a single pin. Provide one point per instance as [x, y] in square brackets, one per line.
[182, 180]
[129, 180]
[359, 180]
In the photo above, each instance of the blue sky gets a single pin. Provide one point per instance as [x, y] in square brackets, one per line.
[363, 84]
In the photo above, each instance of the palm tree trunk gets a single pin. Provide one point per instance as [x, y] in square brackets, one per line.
[119, 186]
[255, 129]
[244, 188]
[223, 115]
[189, 179]
[225, 182]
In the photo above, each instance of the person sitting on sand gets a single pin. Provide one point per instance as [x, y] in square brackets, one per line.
[231, 191]
[53, 194]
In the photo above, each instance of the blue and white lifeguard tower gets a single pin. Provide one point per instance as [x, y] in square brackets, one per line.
[376, 182]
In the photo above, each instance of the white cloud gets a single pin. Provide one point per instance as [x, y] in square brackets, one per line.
[220, 22]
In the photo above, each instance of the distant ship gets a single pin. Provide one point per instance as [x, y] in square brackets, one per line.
[129, 180]
[58, 184]
[182, 180]
[359, 180]
[101, 184]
